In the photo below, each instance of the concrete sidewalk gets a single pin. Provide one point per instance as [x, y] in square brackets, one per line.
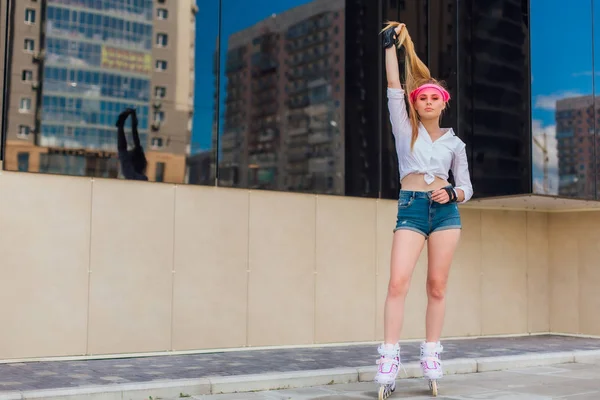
[256, 370]
[561, 381]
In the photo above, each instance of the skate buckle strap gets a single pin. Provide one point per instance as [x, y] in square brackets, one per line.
[393, 361]
[434, 360]
[384, 359]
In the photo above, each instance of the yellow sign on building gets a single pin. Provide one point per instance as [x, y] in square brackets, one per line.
[126, 60]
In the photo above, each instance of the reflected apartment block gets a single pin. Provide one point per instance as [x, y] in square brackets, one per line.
[76, 64]
[575, 146]
[284, 107]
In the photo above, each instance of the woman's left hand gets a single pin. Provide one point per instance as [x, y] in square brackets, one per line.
[440, 196]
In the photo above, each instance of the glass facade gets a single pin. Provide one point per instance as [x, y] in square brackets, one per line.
[290, 95]
[565, 110]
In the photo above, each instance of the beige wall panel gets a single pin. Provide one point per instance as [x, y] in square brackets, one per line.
[211, 262]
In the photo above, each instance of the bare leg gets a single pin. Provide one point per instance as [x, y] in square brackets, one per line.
[406, 248]
[440, 251]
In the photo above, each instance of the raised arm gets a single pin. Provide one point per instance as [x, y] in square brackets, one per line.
[392, 69]
[121, 140]
[396, 105]
[134, 129]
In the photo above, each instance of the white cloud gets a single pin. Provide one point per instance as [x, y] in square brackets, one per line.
[548, 102]
[584, 73]
[538, 131]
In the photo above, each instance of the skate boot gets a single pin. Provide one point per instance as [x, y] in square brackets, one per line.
[431, 364]
[387, 370]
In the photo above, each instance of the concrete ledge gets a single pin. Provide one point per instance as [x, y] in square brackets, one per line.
[293, 379]
[523, 360]
[129, 391]
[282, 380]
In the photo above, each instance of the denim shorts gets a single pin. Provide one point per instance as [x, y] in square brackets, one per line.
[418, 212]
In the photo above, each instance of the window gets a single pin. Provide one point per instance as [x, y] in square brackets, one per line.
[161, 40]
[161, 65]
[29, 16]
[162, 13]
[25, 104]
[27, 75]
[23, 162]
[157, 142]
[24, 131]
[29, 45]
[159, 116]
[160, 92]
[160, 172]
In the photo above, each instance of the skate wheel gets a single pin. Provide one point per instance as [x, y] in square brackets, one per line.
[381, 393]
[434, 388]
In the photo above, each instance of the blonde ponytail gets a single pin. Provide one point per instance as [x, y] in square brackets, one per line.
[416, 74]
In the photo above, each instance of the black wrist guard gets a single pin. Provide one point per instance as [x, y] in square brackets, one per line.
[451, 194]
[389, 37]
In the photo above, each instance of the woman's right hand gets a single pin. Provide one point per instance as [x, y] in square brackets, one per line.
[390, 36]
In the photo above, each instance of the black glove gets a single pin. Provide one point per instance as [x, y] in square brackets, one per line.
[389, 37]
[451, 194]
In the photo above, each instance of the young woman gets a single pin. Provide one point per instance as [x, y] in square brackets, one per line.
[427, 208]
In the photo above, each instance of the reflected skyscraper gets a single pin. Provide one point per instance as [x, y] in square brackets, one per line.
[575, 146]
[284, 108]
[76, 64]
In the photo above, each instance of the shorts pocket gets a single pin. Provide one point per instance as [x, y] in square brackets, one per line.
[405, 202]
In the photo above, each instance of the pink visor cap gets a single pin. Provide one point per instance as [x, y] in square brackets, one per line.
[415, 93]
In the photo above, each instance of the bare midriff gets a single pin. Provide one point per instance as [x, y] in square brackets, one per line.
[416, 182]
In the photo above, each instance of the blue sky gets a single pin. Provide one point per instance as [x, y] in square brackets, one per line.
[237, 15]
[561, 53]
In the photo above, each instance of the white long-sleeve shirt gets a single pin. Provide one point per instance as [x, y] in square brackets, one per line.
[431, 158]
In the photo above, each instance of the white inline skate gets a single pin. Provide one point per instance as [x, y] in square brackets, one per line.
[387, 370]
[431, 364]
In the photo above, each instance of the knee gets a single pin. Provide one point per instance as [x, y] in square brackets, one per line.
[398, 287]
[436, 289]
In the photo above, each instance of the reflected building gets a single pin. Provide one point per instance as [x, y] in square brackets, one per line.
[284, 107]
[494, 96]
[575, 146]
[200, 170]
[76, 64]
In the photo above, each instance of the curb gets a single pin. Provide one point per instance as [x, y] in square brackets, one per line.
[293, 379]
